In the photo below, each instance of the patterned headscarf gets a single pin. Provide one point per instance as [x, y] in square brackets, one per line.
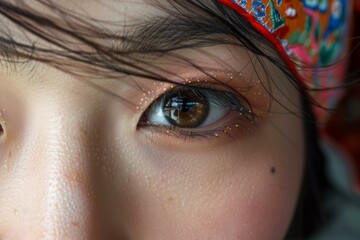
[310, 35]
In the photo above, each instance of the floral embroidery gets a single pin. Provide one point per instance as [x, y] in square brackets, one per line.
[258, 9]
[277, 20]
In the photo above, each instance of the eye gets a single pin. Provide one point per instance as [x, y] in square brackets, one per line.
[196, 110]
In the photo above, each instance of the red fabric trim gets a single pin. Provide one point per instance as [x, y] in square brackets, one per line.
[357, 6]
[265, 32]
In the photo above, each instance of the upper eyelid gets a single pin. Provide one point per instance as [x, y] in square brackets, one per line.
[219, 80]
[210, 79]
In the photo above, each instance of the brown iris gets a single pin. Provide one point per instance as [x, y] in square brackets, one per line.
[185, 109]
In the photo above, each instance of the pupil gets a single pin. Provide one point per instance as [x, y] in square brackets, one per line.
[185, 110]
[187, 105]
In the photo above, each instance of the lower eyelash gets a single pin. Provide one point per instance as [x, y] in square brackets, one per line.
[239, 123]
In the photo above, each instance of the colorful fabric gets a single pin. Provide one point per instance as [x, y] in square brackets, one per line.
[310, 35]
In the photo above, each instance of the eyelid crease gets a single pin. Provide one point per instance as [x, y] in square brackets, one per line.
[211, 79]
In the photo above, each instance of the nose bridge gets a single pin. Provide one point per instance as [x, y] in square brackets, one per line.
[68, 189]
[64, 146]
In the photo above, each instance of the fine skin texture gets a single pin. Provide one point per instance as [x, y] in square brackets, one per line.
[74, 164]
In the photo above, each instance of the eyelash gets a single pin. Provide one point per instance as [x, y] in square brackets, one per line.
[235, 102]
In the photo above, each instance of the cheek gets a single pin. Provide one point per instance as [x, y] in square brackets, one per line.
[244, 191]
[262, 204]
[259, 208]
[250, 204]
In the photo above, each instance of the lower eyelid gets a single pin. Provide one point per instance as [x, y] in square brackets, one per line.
[234, 120]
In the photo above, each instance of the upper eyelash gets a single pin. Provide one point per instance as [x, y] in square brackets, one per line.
[227, 99]
[222, 98]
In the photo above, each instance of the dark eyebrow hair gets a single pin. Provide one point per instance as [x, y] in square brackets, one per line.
[174, 32]
[190, 24]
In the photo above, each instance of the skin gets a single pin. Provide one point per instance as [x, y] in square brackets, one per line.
[75, 165]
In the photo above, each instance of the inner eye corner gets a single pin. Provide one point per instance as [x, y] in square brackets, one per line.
[2, 130]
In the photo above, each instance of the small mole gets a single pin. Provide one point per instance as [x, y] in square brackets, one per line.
[75, 223]
[273, 170]
[170, 199]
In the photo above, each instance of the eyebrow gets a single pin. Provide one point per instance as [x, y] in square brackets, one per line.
[157, 34]
[153, 35]
[165, 34]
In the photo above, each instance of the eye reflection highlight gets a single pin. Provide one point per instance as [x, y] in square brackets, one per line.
[184, 109]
